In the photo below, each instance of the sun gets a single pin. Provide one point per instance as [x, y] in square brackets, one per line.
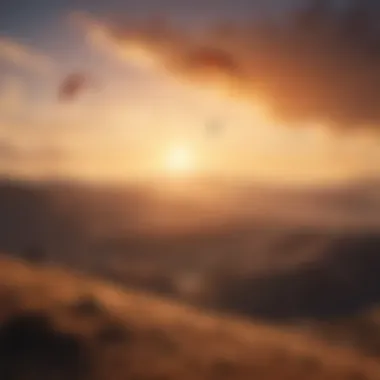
[179, 160]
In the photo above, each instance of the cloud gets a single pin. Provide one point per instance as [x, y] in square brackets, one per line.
[12, 96]
[24, 57]
[98, 35]
[12, 152]
[8, 151]
[321, 65]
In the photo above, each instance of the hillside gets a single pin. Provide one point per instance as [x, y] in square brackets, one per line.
[301, 252]
[360, 331]
[56, 325]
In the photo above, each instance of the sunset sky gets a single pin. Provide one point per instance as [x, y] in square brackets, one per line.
[140, 117]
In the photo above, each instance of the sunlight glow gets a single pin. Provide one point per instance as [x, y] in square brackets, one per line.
[179, 160]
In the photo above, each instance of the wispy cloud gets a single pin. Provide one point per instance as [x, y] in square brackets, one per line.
[24, 57]
[99, 35]
[12, 93]
[13, 152]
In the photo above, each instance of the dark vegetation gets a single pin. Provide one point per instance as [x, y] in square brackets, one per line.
[31, 348]
[87, 306]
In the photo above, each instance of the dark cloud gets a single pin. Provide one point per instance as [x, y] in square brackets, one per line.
[212, 59]
[321, 64]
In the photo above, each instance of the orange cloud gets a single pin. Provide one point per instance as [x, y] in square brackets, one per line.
[24, 57]
[323, 65]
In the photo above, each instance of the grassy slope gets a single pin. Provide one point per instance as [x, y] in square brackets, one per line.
[124, 335]
[361, 332]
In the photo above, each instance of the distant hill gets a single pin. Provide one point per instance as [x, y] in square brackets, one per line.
[268, 252]
[55, 325]
[343, 280]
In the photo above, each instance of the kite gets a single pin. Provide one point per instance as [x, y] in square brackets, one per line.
[214, 129]
[71, 86]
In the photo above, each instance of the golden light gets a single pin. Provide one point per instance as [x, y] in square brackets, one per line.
[179, 160]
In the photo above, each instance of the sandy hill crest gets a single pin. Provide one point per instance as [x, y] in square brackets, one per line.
[57, 325]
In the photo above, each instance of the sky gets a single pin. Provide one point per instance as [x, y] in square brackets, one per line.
[142, 113]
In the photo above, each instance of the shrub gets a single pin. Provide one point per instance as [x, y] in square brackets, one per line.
[114, 334]
[31, 348]
[87, 306]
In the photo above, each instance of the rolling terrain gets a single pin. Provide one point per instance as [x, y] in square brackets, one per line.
[270, 253]
[56, 325]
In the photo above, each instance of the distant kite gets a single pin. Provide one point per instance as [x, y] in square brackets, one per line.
[72, 85]
[214, 129]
